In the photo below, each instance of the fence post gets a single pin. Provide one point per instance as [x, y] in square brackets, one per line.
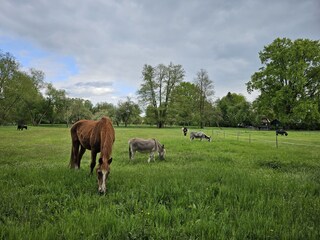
[277, 140]
[249, 137]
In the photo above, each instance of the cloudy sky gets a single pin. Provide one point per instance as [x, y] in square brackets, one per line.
[96, 49]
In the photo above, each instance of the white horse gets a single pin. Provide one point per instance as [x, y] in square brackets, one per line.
[146, 146]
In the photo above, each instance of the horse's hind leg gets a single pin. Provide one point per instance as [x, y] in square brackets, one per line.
[74, 154]
[80, 154]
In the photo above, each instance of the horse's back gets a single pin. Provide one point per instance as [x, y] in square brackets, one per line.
[91, 133]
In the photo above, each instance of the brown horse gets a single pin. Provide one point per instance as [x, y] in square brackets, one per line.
[97, 136]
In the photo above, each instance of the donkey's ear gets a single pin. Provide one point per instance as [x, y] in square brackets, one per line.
[110, 161]
[100, 161]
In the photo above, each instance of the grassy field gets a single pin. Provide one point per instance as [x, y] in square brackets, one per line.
[239, 186]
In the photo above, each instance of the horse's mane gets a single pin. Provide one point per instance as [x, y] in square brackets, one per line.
[104, 130]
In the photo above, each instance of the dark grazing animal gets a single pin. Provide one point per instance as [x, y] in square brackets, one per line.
[281, 132]
[146, 146]
[97, 136]
[200, 135]
[185, 131]
[22, 126]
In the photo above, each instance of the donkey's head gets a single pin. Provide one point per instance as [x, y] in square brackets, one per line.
[162, 152]
[103, 170]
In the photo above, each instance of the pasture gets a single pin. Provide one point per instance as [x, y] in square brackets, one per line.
[239, 186]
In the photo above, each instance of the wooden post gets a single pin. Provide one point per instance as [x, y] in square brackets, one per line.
[249, 137]
[277, 140]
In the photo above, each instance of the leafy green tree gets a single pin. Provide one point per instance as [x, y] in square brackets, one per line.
[20, 96]
[288, 81]
[234, 110]
[56, 102]
[80, 109]
[34, 101]
[149, 117]
[9, 86]
[32, 105]
[183, 104]
[156, 89]
[128, 111]
[205, 86]
[104, 109]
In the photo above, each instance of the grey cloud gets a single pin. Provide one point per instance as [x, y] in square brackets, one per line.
[112, 40]
[93, 84]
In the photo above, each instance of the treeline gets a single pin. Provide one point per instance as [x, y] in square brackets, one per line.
[288, 84]
[26, 98]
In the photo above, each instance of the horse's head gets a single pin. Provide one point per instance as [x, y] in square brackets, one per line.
[103, 171]
[162, 152]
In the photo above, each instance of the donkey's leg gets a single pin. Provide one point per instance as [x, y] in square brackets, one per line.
[151, 156]
[131, 153]
[80, 154]
[93, 160]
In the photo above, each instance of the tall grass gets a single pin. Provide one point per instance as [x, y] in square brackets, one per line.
[225, 189]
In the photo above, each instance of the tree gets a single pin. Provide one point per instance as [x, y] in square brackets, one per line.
[80, 109]
[183, 104]
[234, 110]
[128, 111]
[205, 86]
[20, 96]
[289, 82]
[56, 101]
[156, 89]
[9, 86]
[33, 100]
[104, 109]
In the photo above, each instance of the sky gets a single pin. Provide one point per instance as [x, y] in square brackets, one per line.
[96, 49]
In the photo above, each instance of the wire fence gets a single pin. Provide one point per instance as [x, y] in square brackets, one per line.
[269, 137]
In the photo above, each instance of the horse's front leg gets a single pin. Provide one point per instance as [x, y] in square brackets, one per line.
[93, 160]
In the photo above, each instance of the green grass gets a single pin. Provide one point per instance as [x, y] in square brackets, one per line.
[239, 186]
